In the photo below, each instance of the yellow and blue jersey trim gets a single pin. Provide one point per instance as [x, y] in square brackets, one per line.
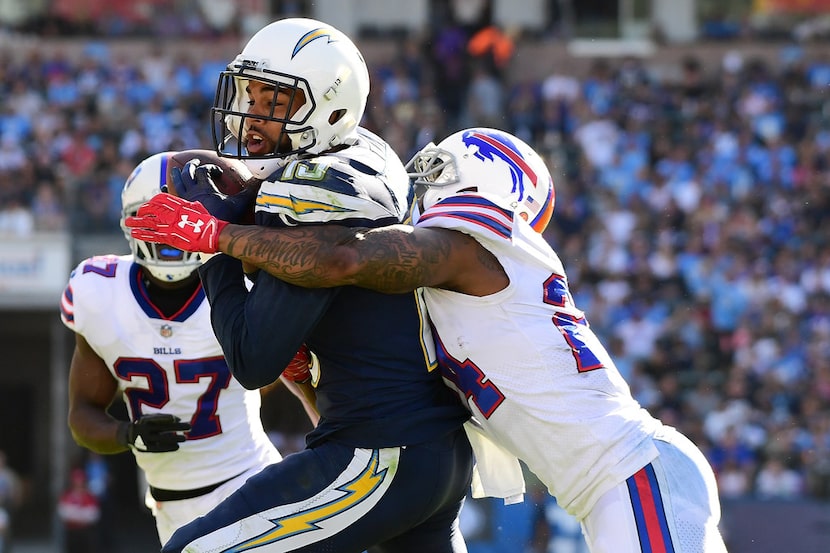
[270, 202]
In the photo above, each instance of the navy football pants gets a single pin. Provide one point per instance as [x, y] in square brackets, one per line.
[336, 498]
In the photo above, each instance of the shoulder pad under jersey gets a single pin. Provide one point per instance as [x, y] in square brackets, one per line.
[355, 186]
[469, 213]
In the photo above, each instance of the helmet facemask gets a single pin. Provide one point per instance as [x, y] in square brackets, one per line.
[232, 119]
[165, 263]
[433, 166]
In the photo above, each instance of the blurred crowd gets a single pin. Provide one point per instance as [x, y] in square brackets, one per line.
[691, 213]
[73, 128]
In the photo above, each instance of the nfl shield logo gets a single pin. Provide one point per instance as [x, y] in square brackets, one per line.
[166, 331]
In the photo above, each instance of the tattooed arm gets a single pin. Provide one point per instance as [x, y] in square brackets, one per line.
[391, 259]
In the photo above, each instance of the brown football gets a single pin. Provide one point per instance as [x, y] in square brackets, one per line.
[235, 174]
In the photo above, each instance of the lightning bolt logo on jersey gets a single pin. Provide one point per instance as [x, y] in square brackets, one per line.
[352, 494]
[360, 189]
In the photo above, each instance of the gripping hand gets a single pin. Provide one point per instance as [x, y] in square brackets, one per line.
[155, 433]
[176, 222]
[299, 368]
[196, 183]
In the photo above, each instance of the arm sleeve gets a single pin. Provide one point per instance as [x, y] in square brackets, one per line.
[261, 330]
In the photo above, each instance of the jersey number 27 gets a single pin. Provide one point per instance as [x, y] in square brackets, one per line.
[204, 422]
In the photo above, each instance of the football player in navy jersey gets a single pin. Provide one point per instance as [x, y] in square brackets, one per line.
[389, 464]
[511, 340]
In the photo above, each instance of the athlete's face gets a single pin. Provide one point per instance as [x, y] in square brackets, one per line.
[262, 135]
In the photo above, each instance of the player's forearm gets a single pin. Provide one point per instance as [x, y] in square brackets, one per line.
[226, 293]
[304, 392]
[95, 430]
[260, 331]
[312, 258]
[386, 260]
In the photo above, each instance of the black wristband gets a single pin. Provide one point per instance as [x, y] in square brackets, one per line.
[122, 435]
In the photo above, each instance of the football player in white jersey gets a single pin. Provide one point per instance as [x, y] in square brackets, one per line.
[142, 332]
[512, 342]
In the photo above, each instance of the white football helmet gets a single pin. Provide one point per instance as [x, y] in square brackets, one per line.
[163, 262]
[294, 54]
[488, 162]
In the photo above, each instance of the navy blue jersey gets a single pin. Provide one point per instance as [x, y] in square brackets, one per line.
[377, 385]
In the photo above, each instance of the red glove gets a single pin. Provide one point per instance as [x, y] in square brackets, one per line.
[176, 222]
[299, 368]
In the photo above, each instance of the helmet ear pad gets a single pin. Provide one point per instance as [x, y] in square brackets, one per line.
[336, 115]
[489, 162]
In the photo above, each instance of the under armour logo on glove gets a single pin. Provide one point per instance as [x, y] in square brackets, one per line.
[164, 219]
[197, 225]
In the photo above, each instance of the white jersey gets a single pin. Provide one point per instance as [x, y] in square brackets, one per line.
[170, 365]
[535, 376]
